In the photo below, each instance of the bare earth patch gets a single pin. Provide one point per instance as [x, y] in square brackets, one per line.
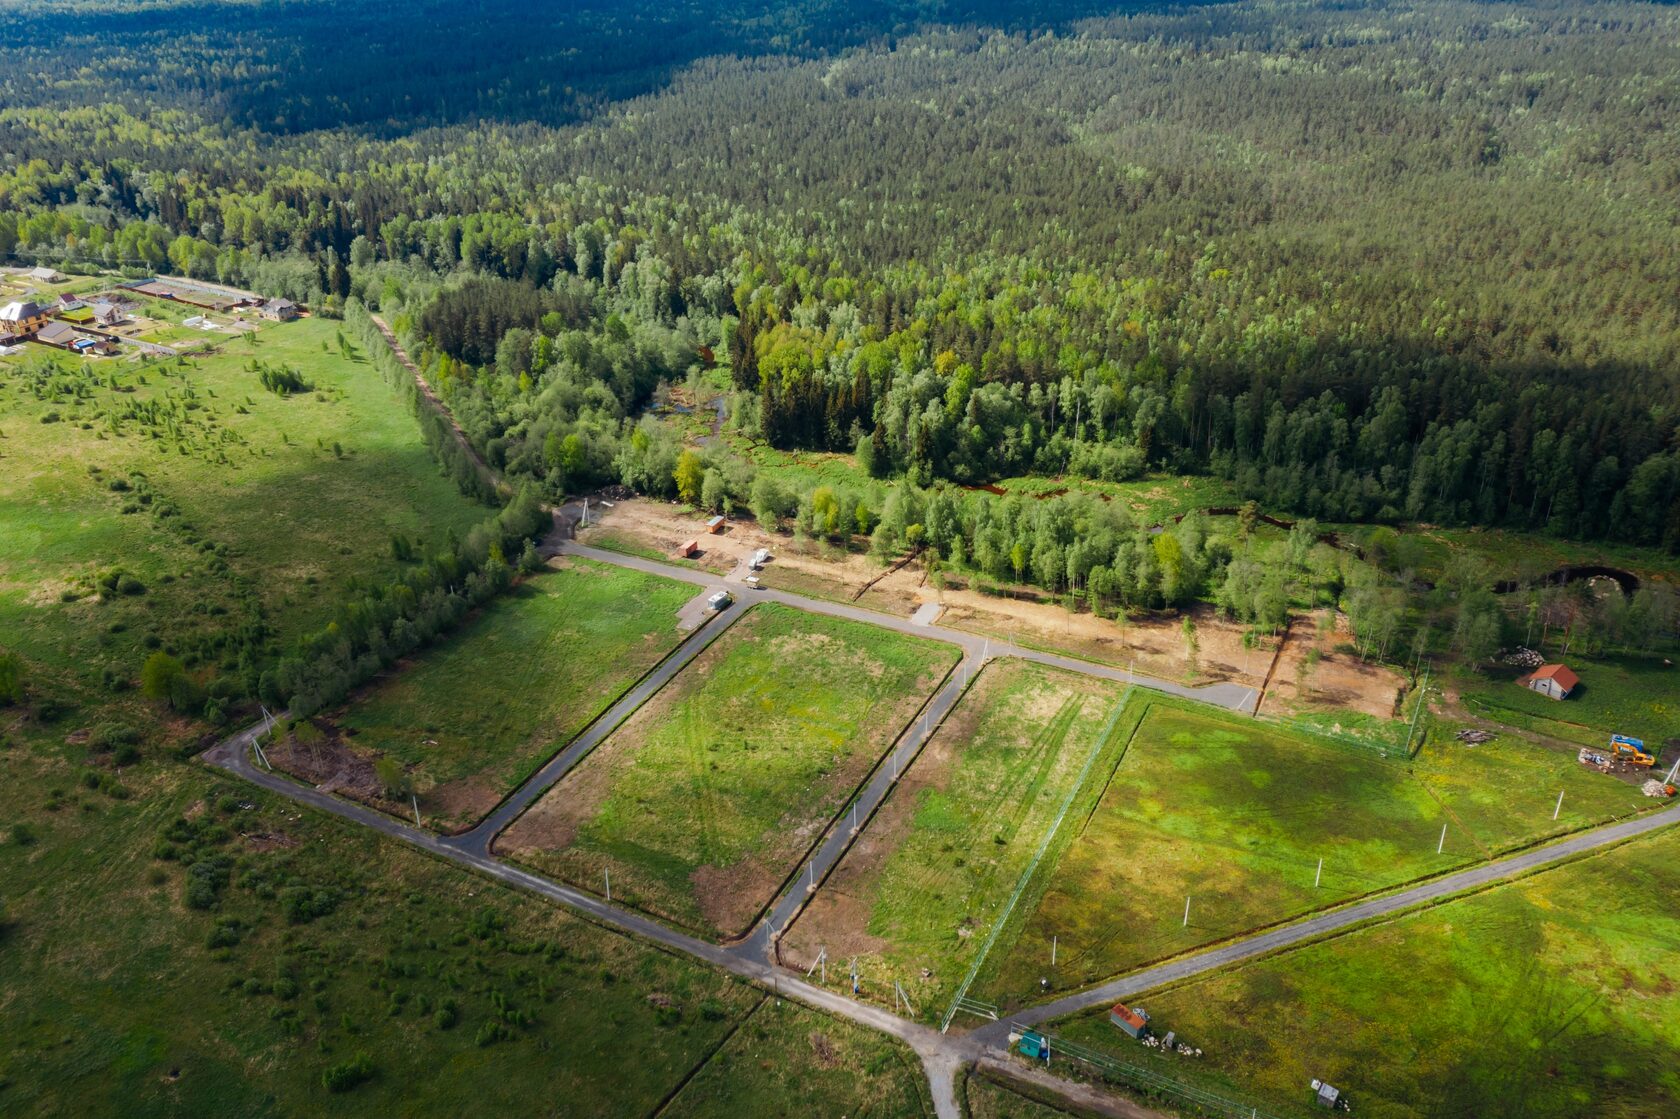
[1339, 679]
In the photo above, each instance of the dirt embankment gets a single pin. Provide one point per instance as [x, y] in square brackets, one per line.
[1335, 678]
[1153, 644]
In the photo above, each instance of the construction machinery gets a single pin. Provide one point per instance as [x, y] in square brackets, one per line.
[1631, 751]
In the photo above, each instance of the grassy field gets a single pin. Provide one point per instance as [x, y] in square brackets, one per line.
[478, 715]
[709, 797]
[318, 943]
[1503, 793]
[916, 896]
[790, 1062]
[1631, 695]
[223, 502]
[1235, 814]
[1552, 997]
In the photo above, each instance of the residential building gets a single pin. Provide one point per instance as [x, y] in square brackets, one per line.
[23, 318]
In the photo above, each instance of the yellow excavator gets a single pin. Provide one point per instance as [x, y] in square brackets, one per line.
[1631, 750]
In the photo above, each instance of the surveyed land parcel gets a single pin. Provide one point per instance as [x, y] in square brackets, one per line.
[1546, 998]
[706, 800]
[475, 717]
[917, 894]
[1212, 826]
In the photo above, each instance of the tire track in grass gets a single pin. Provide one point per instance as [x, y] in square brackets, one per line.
[1032, 867]
[1049, 745]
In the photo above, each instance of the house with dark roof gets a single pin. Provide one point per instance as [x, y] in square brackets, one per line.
[1553, 680]
[22, 317]
[279, 310]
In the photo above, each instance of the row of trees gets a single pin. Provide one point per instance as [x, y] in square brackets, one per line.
[369, 633]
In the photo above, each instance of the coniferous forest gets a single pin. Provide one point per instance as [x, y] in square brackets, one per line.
[1366, 262]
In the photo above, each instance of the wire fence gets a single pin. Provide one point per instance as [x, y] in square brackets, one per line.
[1150, 1082]
[1384, 741]
[1032, 867]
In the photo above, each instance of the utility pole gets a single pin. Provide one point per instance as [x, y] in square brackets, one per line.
[1319, 877]
[414, 799]
[1053, 940]
[1186, 911]
[1559, 807]
[608, 875]
[1441, 846]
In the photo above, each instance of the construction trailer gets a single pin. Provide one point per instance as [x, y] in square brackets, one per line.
[715, 525]
[1134, 1022]
[1326, 1096]
[688, 549]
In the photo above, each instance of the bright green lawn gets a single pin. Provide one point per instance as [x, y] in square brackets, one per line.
[925, 885]
[477, 715]
[1631, 695]
[709, 797]
[792, 1063]
[1553, 997]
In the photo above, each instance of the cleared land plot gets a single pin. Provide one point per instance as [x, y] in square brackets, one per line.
[478, 715]
[788, 1061]
[1552, 997]
[709, 797]
[1232, 814]
[1632, 695]
[924, 883]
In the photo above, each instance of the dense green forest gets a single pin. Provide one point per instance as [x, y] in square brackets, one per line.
[1366, 261]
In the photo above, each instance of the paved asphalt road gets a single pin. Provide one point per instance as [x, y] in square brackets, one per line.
[942, 1057]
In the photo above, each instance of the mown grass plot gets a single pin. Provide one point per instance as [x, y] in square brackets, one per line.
[916, 896]
[476, 716]
[1232, 817]
[709, 797]
[1547, 998]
